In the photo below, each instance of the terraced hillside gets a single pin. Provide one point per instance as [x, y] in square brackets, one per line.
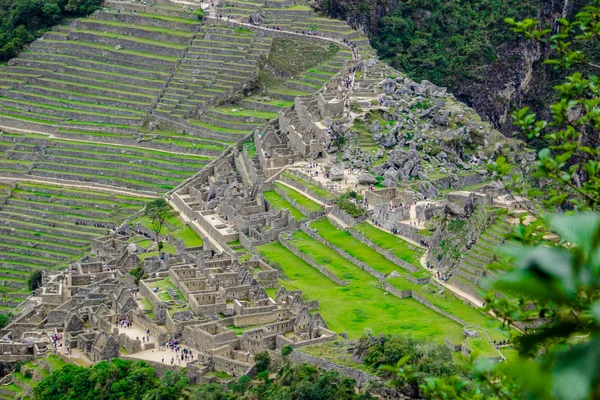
[45, 226]
[105, 112]
[138, 169]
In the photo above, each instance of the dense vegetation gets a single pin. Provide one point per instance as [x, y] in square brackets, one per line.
[122, 379]
[447, 42]
[21, 21]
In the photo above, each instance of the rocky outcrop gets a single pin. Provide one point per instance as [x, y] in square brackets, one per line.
[516, 78]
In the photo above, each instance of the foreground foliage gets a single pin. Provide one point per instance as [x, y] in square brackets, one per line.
[121, 379]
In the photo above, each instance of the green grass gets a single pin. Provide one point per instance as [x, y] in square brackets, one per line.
[55, 362]
[242, 112]
[279, 202]
[219, 128]
[163, 285]
[146, 303]
[355, 248]
[302, 200]
[189, 236]
[360, 305]
[140, 27]
[321, 192]
[387, 241]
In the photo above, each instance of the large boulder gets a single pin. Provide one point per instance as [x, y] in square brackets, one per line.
[389, 86]
[367, 179]
[429, 190]
[460, 204]
[256, 19]
[337, 172]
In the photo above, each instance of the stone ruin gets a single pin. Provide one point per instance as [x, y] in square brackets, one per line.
[209, 293]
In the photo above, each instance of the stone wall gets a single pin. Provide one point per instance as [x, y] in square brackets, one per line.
[309, 215]
[378, 275]
[361, 377]
[310, 261]
[388, 255]
[347, 218]
[300, 186]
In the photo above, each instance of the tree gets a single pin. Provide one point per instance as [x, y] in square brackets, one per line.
[158, 211]
[263, 361]
[35, 280]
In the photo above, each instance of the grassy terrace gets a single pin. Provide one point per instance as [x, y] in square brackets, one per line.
[279, 203]
[134, 39]
[355, 248]
[217, 128]
[242, 112]
[302, 200]
[148, 28]
[361, 304]
[122, 51]
[387, 241]
[189, 236]
[321, 192]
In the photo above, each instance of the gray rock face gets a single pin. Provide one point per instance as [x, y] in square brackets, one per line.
[256, 19]
[470, 333]
[429, 190]
[388, 140]
[376, 127]
[367, 179]
[183, 316]
[460, 204]
[389, 86]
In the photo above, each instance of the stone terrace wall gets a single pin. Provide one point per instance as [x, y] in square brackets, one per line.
[378, 275]
[309, 215]
[310, 261]
[347, 218]
[360, 377]
[300, 186]
[388, 255]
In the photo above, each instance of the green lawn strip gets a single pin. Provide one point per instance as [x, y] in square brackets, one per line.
[168, 18]
[481, 346]
[28, 257]
[45, 251]
[134, 39]
[111, 165]
[360, 305]
[64, 194]
[35, 187]
[146, 304]
[91, 177]
[170, 166]
[84, 85]
[161, 153]
[124, 51]
[218, 128]
[321, 192]
[24, 263]
[77, 102]
[71, 207]
[387, 241]
[43, 235]
[355, 248]
[302, 200]
[39, 121]
[239, 111]
[64, 109]
[40, 241]
[140, 27]
[25, 274]
[189, 236]
[24, 211]
[323, 255]
[190, 145]
[134, 71]
[163, 285]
